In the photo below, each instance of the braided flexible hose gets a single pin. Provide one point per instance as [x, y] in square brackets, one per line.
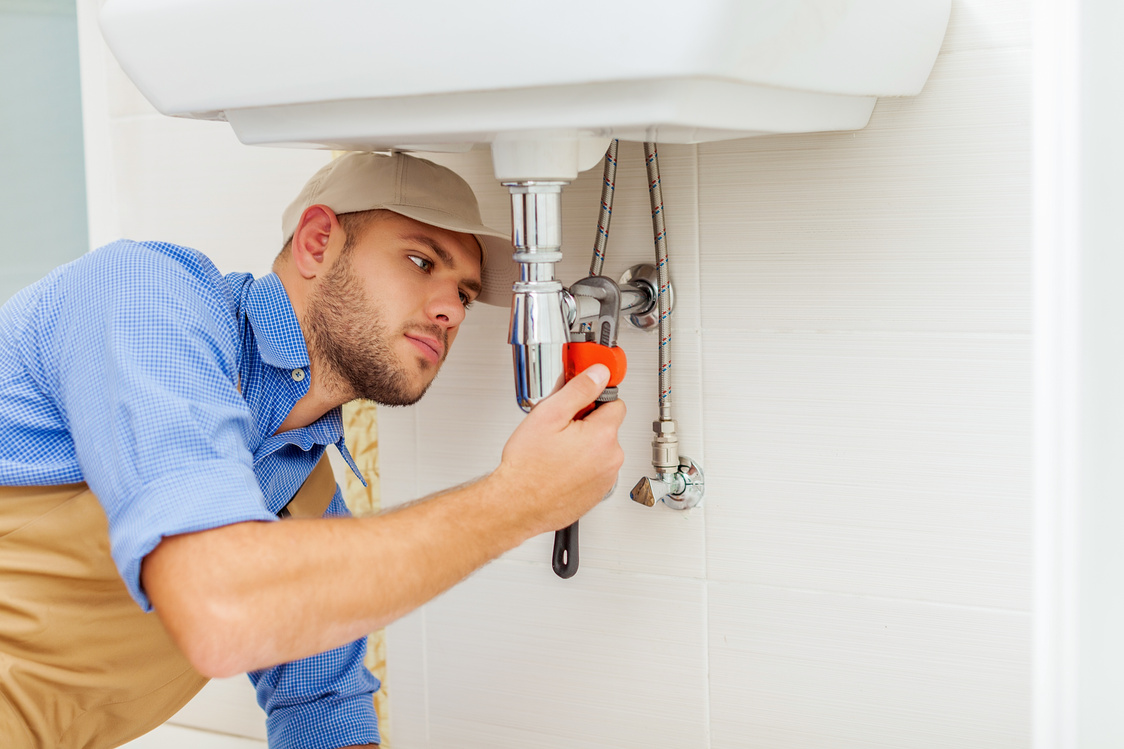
[608, 187]
[663, 276]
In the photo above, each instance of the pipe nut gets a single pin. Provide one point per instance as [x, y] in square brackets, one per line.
[665, 456]
[663, 427]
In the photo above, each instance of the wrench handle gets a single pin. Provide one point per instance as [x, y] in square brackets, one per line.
[565, 559]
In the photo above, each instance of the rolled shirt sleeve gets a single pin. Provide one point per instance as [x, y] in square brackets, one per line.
[144, 363]
[321, 702]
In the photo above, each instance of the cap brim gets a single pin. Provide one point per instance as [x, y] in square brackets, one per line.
[499, 271]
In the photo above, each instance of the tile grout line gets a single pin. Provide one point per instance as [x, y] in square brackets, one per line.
[702, 441]
[424, 622]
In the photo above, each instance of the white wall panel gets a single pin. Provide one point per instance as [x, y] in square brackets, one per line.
[225, 705]
[123, 100]
[193, 183]
[987, 24]
[880, 464]
[177, 737]
[920, 222]
[795, 669]
[398, 455]
[408, 680]
[520, 658]
[878, 443]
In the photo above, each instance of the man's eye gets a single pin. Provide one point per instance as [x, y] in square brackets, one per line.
[421, 262]
[465, 300]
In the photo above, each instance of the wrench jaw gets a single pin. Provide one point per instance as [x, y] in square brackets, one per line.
[593, 333]
[607, 295]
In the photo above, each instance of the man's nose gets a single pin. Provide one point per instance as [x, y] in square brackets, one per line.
[446, 307]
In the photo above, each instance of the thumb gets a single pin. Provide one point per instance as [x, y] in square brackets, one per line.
[562, 406]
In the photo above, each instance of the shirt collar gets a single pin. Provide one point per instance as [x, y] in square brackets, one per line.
[276, 329]
[280, 343]
[327, 430]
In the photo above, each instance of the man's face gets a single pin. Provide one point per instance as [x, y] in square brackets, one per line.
[387, 312]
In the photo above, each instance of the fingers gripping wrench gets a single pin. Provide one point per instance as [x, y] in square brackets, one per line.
[598, 346]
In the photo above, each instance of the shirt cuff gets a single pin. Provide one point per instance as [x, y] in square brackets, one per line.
[324, 724]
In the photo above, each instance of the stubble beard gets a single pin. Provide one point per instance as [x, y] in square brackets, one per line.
[352, 342]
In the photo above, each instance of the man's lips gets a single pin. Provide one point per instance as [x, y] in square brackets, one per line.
[431, 348]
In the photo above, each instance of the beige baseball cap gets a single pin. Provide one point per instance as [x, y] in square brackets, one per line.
[415, 188]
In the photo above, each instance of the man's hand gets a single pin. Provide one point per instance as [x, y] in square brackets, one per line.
[564, 467]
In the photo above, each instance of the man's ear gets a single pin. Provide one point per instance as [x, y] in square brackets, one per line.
[310, 240]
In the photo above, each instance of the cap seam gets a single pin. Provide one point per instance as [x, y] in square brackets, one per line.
[400, 181]
[438, 210]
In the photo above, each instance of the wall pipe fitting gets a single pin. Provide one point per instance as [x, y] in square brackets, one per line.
[539, 330]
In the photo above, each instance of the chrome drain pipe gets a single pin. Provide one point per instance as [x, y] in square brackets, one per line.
[539, 329]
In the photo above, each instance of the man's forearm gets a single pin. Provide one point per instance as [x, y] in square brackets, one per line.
[252, 595]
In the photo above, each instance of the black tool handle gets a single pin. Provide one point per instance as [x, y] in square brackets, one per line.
[565, 560]
[565, 557]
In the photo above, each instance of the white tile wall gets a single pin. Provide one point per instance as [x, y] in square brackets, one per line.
[803, 669]
[519, 658]
[227, 706]
[852, 369]
[193, 183]
[170, 736]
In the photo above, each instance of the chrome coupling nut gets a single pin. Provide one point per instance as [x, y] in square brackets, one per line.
[665, 447]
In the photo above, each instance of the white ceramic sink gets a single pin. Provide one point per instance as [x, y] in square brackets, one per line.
[437, 74]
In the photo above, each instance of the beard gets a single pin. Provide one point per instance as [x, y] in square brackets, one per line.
[352, 342]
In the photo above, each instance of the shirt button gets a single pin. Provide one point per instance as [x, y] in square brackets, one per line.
[298, 375]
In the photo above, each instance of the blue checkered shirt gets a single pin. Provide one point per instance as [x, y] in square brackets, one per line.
[122, 369]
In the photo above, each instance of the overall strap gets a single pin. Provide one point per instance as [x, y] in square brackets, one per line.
[315, 494]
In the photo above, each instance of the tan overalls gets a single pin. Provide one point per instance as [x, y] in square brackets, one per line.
[81, 665]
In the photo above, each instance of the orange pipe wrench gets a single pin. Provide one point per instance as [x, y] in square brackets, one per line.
[579, 355]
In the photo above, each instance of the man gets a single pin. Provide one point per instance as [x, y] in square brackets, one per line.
[145, 396]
